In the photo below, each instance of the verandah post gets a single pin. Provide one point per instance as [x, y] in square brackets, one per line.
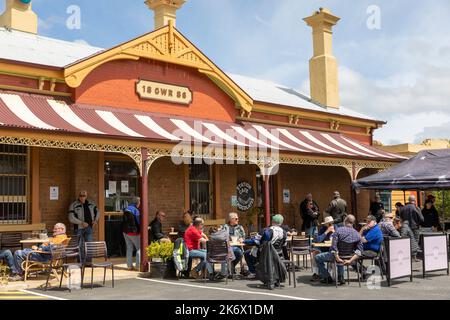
[267, 198]
[144, 210]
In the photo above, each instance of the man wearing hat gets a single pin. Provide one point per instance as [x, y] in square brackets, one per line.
[337, 209]
[387, 225]
[325, 233]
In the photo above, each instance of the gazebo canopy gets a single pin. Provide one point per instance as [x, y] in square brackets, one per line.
[429, 169]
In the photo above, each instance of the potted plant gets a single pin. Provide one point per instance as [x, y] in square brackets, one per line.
[250, 216]
[161, 260]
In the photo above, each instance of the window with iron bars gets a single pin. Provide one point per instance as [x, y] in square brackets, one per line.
[14, 170]
[200, 192]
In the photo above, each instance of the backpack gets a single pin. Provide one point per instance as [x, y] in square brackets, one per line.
[129, 223]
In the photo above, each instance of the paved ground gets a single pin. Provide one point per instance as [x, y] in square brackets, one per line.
[435, 287]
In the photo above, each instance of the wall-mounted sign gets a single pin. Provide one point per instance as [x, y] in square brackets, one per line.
[54, 193]
[163, 92]
[286, 196]
[234, 201]
[245, 196]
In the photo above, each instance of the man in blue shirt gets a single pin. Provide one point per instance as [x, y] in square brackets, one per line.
[371, 237]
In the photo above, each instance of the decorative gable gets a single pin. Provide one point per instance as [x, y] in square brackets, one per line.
[165, 44]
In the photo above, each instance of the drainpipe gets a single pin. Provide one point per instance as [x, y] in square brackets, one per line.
[144, 210]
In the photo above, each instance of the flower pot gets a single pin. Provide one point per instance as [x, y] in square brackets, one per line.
[163, 270]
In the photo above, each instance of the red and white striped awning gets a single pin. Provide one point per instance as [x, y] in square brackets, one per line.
[58, 114]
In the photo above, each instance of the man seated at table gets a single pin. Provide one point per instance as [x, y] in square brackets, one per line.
[9, 258]
[387, 225]
[346, 234]
[193, 237]
[371, 237]
[41, 253]
[326, 231]
[155, 232]
[274, 233]
[234, 229]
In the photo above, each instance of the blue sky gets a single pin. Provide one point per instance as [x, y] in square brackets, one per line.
[399, 73]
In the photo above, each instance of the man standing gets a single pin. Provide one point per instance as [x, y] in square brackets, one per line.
[303, 209]
[375, 208]
[412, 213]
[337, 209]
[84, 216]
[131, 228]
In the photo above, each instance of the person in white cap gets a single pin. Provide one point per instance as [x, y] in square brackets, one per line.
[325, 233]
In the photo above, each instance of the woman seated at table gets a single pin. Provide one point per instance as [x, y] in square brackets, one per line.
[325, 233]
[41, 253]
[185, 223]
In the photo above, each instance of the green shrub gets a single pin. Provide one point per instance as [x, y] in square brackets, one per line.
[162, 250]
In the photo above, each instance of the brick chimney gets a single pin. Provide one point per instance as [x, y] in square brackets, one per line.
[19, 16]
[323, 67]
[165, 11]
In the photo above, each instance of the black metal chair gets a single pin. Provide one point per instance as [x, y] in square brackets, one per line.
[290, 267]
[301, 247]
[96, 250]
[345, 251]
[11, 241]
[73, 249]
[217, 252]
[378, 259]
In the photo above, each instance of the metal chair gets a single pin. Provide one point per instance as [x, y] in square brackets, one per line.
[378, 259]
[73, 249]
[345, 251]
[290, 266]
[217, 252]
[96, 250]
[29, 265]
[11, 241]
[301, 247]
[55, 263]
[66, 266]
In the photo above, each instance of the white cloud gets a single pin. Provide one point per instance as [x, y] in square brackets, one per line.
[81, 41]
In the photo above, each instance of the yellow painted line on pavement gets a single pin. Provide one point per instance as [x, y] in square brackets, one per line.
[22, 298]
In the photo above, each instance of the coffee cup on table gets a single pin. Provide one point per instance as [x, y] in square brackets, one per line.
[234, 239]
[172, 230]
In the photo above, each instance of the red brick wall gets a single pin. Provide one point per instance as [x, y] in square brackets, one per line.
[320, 181]
[166, 191]
[55, 168]
[228, 178]
[114, 84]
[71, 171]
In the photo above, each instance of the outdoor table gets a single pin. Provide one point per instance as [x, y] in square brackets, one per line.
[237, 244]
[322, 245]
[34, 241]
